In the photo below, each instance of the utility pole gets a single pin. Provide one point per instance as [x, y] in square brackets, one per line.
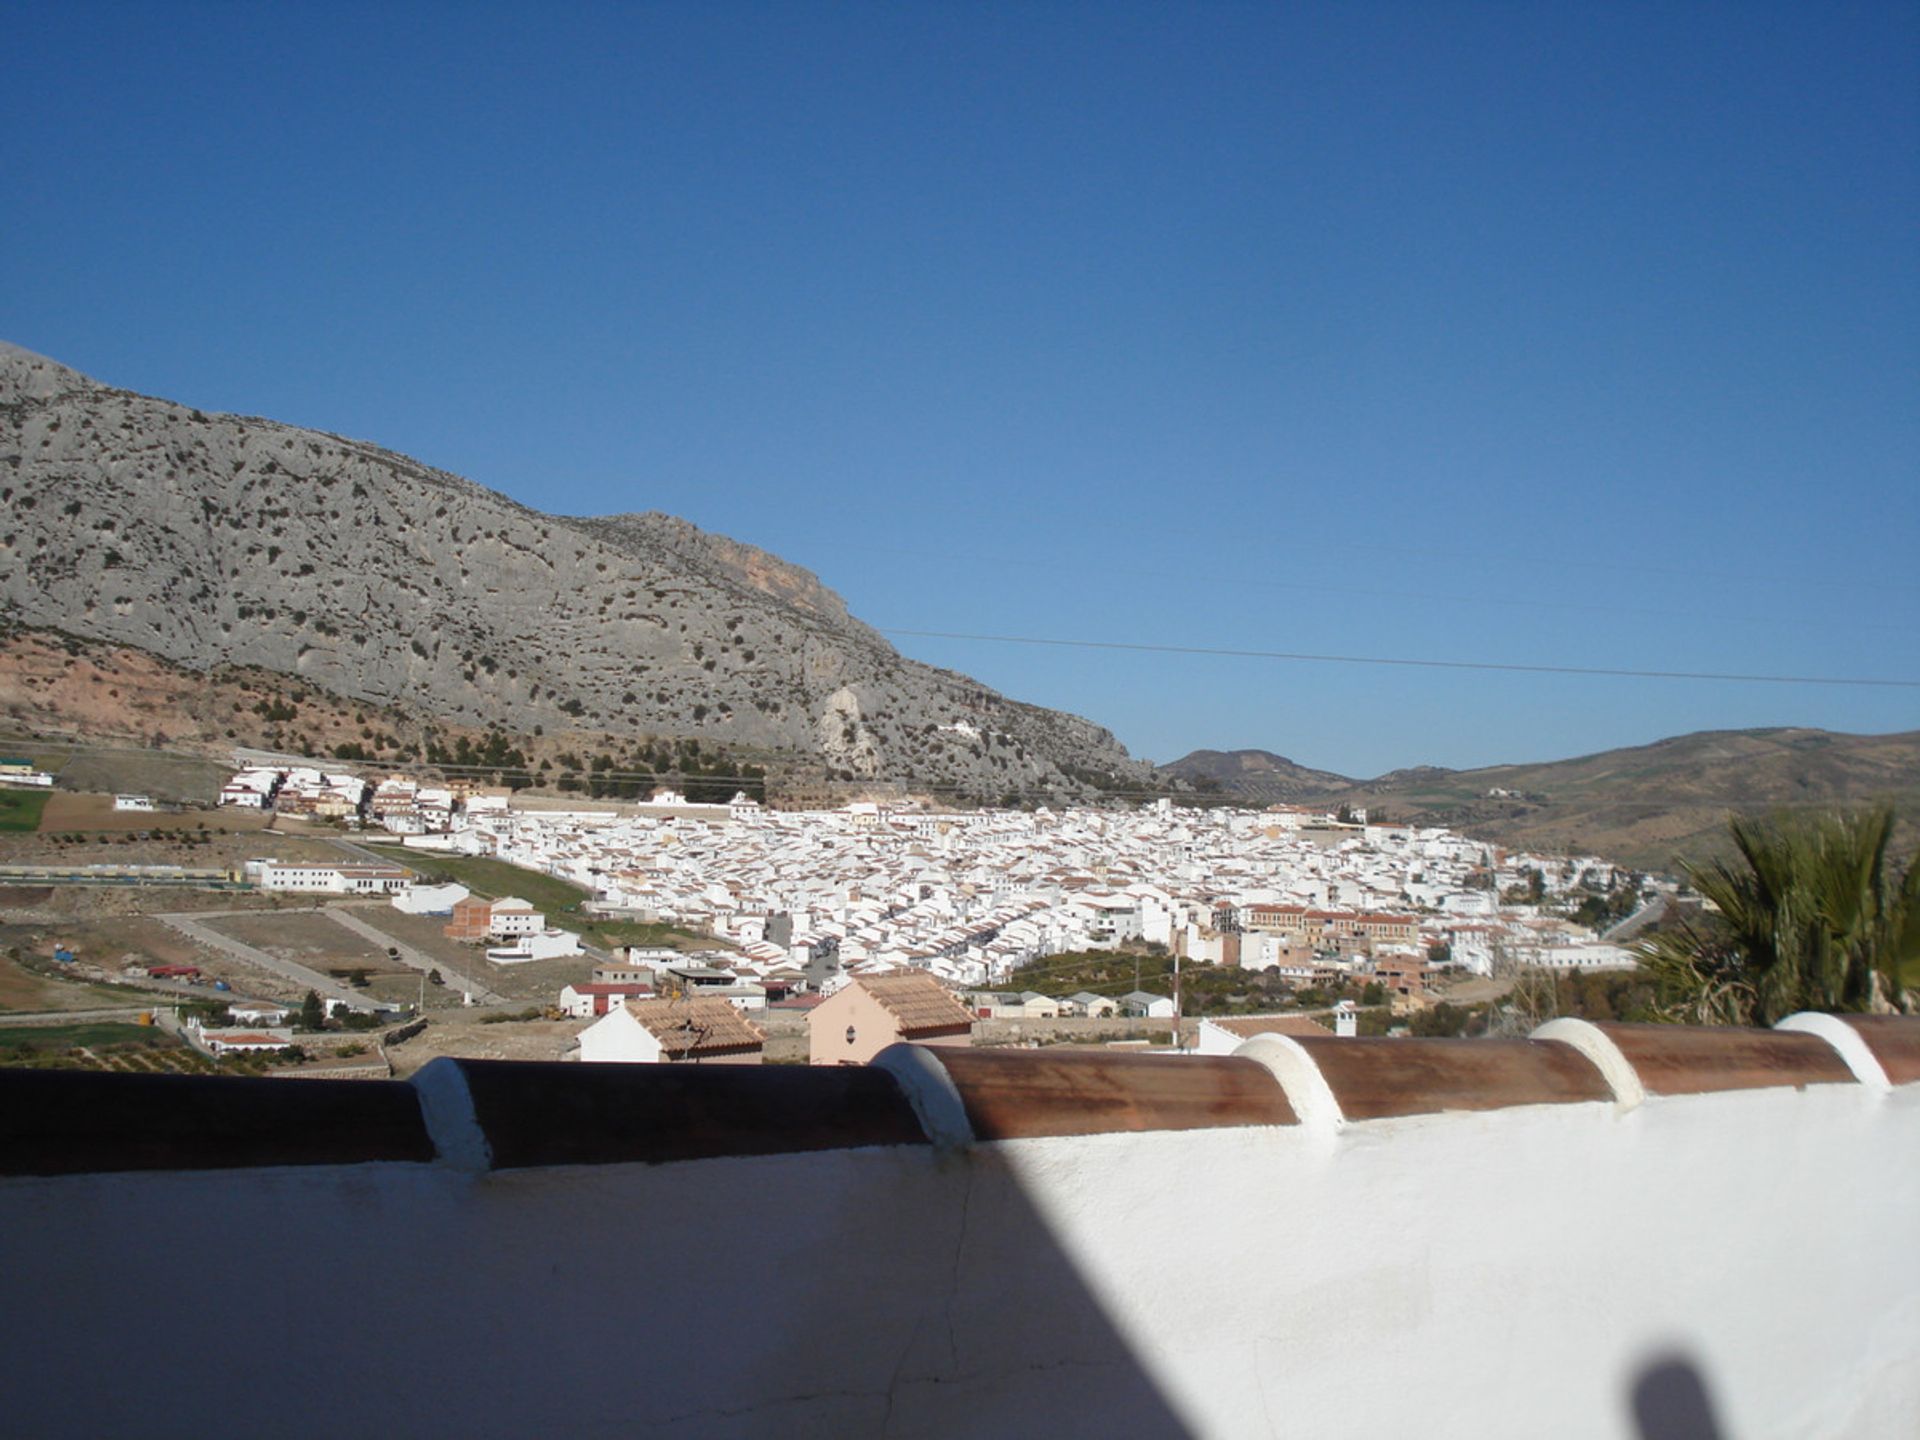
[1176, 1000]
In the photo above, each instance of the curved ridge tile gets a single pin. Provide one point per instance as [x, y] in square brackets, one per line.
[556, 1113]
[1894, 1041]
[59, 1122]
[1689, 1060]
[1374, 1079]
[1021, 1094]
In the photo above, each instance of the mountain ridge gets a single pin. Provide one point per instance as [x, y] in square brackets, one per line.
[224, 540]
[1641, 804]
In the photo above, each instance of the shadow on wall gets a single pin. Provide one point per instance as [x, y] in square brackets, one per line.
[1670, 1401]
[883, 1290]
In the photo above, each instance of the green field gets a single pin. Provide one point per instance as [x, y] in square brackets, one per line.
[113, 1047]
[558, 899]
[92, 1034]
[490, 878]
[20, 809]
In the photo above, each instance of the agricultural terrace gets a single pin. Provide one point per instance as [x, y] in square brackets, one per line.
[112, 1045]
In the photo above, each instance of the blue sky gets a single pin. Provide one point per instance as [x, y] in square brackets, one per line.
[1533, 334]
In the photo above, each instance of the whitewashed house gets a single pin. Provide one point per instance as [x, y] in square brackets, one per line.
[685, 1031]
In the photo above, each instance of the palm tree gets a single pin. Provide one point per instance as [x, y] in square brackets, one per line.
[1811, 918]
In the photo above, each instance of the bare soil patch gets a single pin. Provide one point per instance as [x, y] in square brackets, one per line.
[310, 939]
[70, 810]
[159, 839]
[536, 980]
[461, 1033]
[25, 990]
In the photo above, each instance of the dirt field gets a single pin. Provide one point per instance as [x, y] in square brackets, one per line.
[535, 981]
[68, 810]
[422, 933]
[22, 989]
[307, 937]
[113, 928]
[137, 772]
[86, 830]
[461, 1033]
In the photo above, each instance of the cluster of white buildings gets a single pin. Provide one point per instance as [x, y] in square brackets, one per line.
[399, 804]
[21, 774]
[297, 790]
[972, 895]
[333, 878]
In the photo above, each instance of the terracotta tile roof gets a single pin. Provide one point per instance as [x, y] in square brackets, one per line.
[697, 1026]
[918, 1001]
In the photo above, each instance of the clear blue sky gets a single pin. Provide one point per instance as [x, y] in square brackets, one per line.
[1527, 333]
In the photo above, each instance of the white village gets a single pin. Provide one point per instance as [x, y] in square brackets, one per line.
[809, 902]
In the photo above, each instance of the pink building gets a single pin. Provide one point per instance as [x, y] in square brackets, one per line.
[853, 1025]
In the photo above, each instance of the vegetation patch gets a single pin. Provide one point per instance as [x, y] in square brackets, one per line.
[20, 810]
[89, 1033]
[1204, 989]
[115, 1047]
[492, 879]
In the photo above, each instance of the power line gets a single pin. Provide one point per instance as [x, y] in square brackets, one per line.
[1395, 802]
[1329, 659]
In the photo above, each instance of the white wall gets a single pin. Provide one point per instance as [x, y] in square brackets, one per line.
[1515, 1272]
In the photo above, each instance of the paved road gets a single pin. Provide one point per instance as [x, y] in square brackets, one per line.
[1639, 920]
[324, 986]
[419, 960]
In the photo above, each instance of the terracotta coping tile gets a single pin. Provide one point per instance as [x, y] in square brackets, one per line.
[63, 1122]
[1894, 1041]
[57, 1122]
[550, 1113]
[1018, 1094]
[1376, 1078]
[1689, 1060]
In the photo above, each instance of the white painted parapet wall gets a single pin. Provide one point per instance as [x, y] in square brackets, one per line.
[1613, 1231]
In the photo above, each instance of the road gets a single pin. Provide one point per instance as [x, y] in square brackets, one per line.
[1639, 920]
[324, 986]
[424, 963]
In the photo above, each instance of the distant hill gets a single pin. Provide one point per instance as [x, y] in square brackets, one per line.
[1255, 775]
[1641, 805]
[214, 542]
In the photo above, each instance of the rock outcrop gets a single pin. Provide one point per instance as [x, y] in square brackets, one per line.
[212, 540]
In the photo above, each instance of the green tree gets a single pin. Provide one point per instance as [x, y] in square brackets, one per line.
[312, 1015]
[1812, 916]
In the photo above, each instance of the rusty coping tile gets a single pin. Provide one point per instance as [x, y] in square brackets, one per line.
[1377, 1078]
[1688, 1060]
[1019, 1094]
[60, 1122]
[550, 1113]
[1894, 1041]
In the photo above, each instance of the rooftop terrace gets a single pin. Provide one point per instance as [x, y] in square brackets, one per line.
[1606, 1230]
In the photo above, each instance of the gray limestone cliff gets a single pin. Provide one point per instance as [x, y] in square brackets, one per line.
[220, 539]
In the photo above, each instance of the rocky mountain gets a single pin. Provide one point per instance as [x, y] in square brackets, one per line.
[1641, 805]
[215, 541]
